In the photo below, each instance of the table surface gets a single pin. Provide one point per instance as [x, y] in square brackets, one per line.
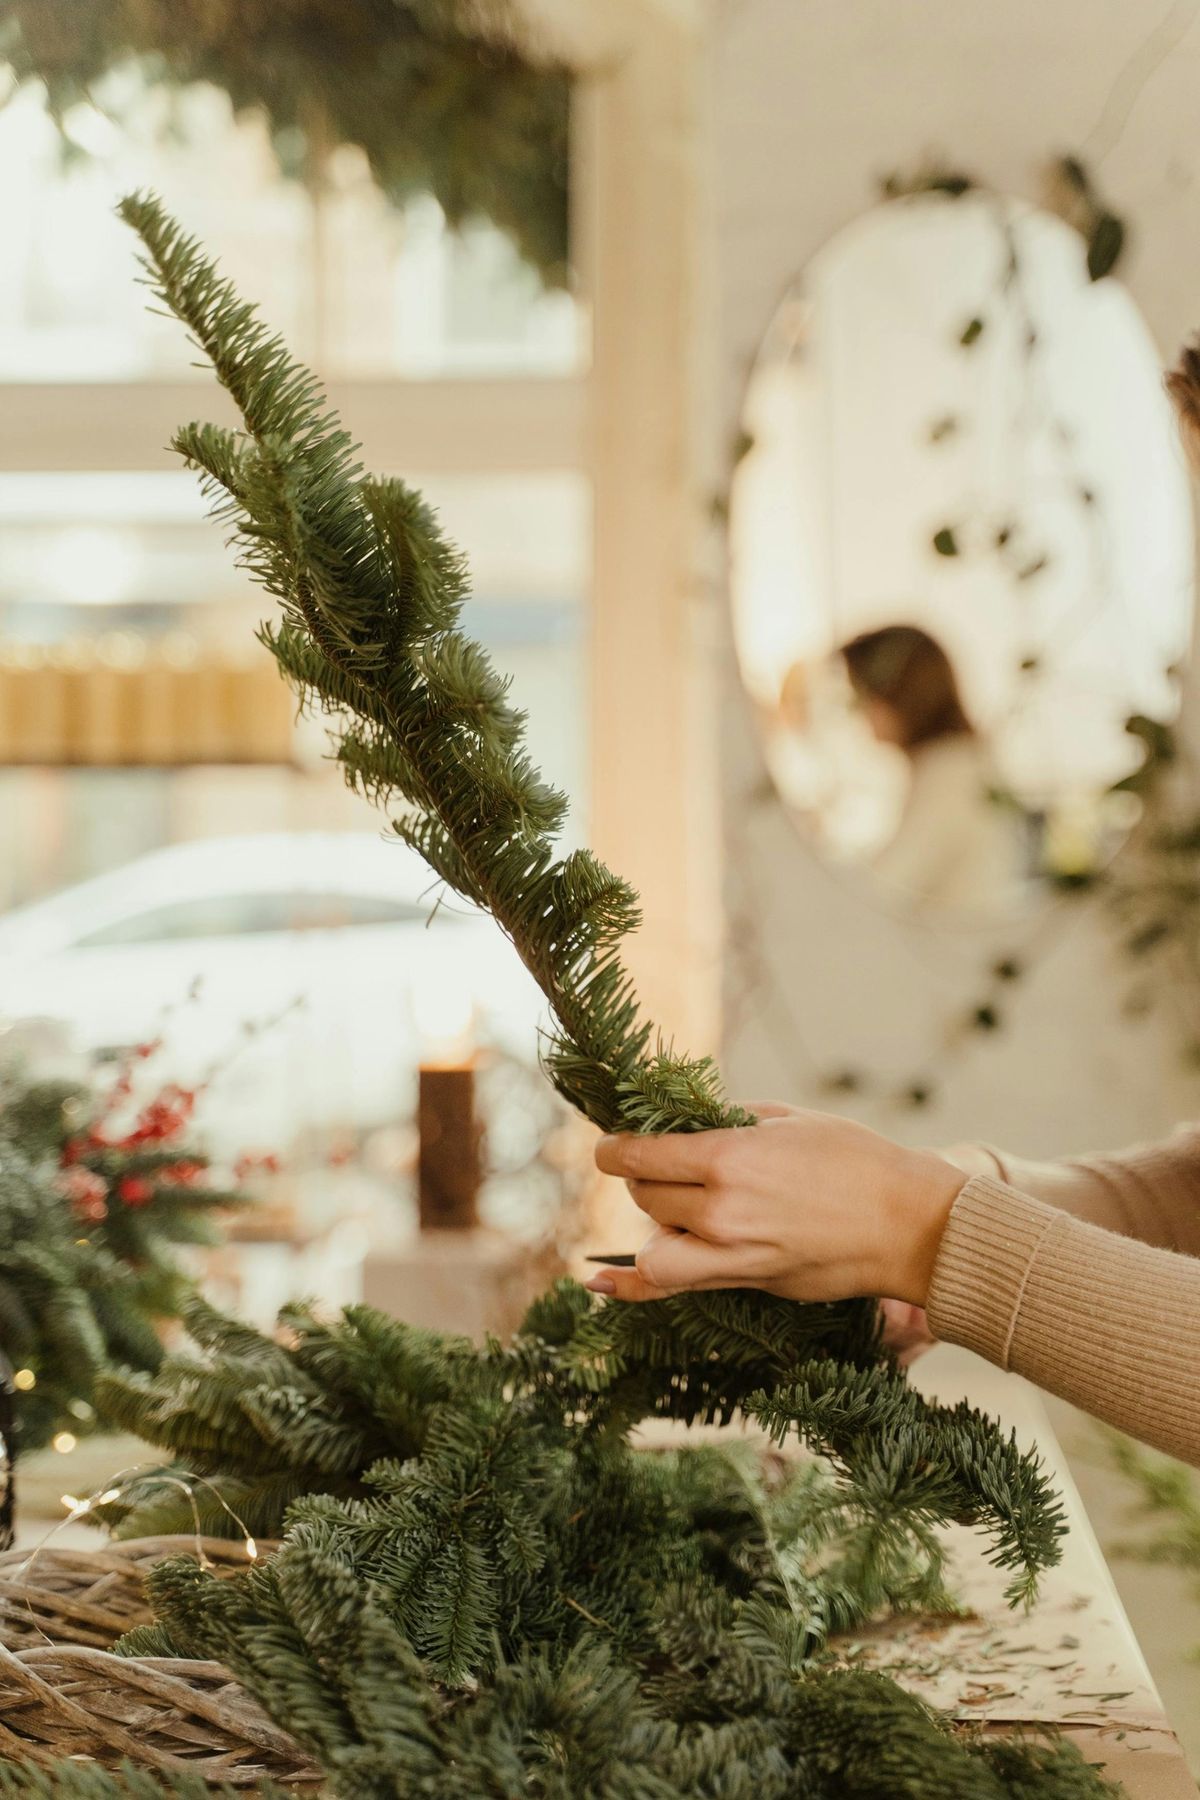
[1072, 1660]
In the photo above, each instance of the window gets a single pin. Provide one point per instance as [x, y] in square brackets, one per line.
[443, 351]
[356, 285]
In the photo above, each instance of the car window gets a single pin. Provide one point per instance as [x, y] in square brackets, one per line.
[239, 915]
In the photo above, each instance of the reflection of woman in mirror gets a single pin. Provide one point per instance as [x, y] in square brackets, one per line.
[954, 848]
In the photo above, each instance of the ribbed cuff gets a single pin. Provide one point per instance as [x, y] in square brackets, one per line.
[983, 1264]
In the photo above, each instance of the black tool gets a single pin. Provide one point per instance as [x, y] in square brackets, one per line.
[620, 1261]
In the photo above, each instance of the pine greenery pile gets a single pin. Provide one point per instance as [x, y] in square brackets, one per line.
[90, 1222]
[82, 1780]
[487, 1591]
[484, 1589]
[321, 1411]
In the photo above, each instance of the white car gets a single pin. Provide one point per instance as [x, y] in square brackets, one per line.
[336, 942]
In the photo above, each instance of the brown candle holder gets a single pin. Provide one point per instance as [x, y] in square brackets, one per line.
[449, 1158]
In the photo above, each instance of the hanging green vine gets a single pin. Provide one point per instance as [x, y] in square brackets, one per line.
[441, 95]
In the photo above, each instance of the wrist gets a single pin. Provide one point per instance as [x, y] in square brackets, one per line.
[926, 1193]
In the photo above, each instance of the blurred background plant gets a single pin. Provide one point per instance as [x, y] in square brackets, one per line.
[101, 1188]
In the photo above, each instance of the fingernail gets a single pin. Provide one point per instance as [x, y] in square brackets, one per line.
[601, 1284]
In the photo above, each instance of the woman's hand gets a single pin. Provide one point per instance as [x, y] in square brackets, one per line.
[906, 1331]
[803, 1204]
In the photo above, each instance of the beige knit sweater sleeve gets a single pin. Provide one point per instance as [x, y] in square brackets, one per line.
[1084, 1277]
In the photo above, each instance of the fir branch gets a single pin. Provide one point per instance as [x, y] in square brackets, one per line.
[78, 1778]
[371, 595]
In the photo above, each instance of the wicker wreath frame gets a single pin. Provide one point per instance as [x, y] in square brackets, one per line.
[63, 1693]
[92, 1597]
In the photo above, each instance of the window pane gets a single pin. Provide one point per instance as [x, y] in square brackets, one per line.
[357, 286]
[130, 564]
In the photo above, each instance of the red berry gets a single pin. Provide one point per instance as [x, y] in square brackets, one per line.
[86, 1191]
[183, 1174]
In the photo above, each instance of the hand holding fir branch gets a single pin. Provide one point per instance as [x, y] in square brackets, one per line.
[802, 1205]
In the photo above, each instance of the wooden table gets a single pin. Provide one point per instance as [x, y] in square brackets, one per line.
[1073, 1660]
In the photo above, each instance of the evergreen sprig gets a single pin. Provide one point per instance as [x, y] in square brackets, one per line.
[370, 594]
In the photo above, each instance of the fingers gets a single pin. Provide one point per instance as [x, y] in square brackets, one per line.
[672, 1262]
[625, 1284]
[672, 1203]
[702, 1158]
[677, 1156]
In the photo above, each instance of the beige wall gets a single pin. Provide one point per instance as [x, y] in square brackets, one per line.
[812, 102]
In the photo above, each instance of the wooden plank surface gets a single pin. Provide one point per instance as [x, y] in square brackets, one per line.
[1072, 1661]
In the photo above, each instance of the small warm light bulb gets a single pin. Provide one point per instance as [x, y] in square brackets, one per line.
[64, 1442]
[24, 1380]
[70, 1502]
[251, 1549]
[108, 1496]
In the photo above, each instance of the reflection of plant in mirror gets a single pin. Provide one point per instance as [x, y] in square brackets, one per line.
[1069, 189]
[1069, 192]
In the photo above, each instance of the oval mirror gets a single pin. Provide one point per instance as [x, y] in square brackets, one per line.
[961, 551]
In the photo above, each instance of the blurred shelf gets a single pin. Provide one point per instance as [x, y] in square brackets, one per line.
[155, 768]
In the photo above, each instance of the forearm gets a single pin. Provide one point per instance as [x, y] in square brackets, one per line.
[1108, 1323]
[1150, 1192]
